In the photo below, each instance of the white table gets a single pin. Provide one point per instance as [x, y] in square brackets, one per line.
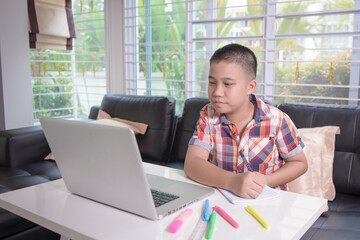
[54, 207]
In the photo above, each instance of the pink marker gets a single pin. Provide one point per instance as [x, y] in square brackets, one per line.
[226, 216]
[180, 220]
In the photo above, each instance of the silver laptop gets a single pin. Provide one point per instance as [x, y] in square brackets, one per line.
[103, 163]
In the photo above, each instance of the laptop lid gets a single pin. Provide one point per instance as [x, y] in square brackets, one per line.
[103, 163]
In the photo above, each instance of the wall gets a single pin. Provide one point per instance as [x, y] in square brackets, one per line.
[114, 37]
[15, 86]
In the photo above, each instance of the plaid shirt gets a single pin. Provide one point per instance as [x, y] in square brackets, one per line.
[268, 139]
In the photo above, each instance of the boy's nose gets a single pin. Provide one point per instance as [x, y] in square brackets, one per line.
[218, 90]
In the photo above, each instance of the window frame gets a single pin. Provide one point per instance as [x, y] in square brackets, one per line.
[269, 37]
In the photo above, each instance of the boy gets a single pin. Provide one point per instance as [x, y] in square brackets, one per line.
[248, 143]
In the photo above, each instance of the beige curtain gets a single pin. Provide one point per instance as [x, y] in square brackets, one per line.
[51, 24]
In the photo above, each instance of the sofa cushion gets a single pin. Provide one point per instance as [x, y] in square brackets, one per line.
[23, 229]
[28, 175]
[331, 234]
[106, 119]
[319, 151]
[31, 141]
[11, 224]
[4, 189]
[157, 112]
[186, 127]
[44, 169]
[347, 146]
[6, 173]
[340, 222]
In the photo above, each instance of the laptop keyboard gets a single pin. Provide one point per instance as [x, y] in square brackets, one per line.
[160, 198]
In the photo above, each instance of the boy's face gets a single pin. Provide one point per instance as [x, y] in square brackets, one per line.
[229, 88]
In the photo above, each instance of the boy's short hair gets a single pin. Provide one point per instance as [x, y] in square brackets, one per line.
[236, 53]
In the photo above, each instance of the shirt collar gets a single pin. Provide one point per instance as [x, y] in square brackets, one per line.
[262, 109]
[224, 120]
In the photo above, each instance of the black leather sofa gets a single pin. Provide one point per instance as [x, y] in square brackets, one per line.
[22, 152]
[342, 221]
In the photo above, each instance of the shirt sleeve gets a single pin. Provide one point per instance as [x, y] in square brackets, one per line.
[288, 139]
[202, 133]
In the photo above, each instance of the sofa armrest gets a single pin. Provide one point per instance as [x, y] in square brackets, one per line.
[22, 146]
[94, 111]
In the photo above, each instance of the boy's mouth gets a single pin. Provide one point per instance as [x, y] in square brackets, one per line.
[218, 103]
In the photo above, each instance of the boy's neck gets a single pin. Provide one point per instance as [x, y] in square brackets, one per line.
[242, 117]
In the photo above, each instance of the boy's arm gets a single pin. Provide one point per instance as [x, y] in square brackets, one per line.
[293, 168]
[197, 167]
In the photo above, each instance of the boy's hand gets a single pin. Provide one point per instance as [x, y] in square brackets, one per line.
[248, 184]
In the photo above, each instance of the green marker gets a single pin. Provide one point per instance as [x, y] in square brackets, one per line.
[211, 225]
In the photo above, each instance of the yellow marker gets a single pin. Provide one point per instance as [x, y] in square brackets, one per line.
[256, 215]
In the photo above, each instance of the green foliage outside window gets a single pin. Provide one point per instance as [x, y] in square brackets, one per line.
[314, 70]
[52, 92]
[314, 73]
[55, 94]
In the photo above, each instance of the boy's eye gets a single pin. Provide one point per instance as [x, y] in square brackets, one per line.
[228, 84]
[211, 83]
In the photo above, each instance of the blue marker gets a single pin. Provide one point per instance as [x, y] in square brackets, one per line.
[206, 215]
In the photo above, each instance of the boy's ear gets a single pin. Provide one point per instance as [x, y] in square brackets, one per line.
[251, 86]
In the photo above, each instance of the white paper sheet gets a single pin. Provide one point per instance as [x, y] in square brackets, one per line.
[267, 193]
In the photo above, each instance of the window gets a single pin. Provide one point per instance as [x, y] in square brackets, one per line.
[155, 52]
[308, 51]
[67, 83]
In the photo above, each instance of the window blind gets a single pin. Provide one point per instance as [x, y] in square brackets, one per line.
[66, 83]
[308, 51]
[51, 24]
